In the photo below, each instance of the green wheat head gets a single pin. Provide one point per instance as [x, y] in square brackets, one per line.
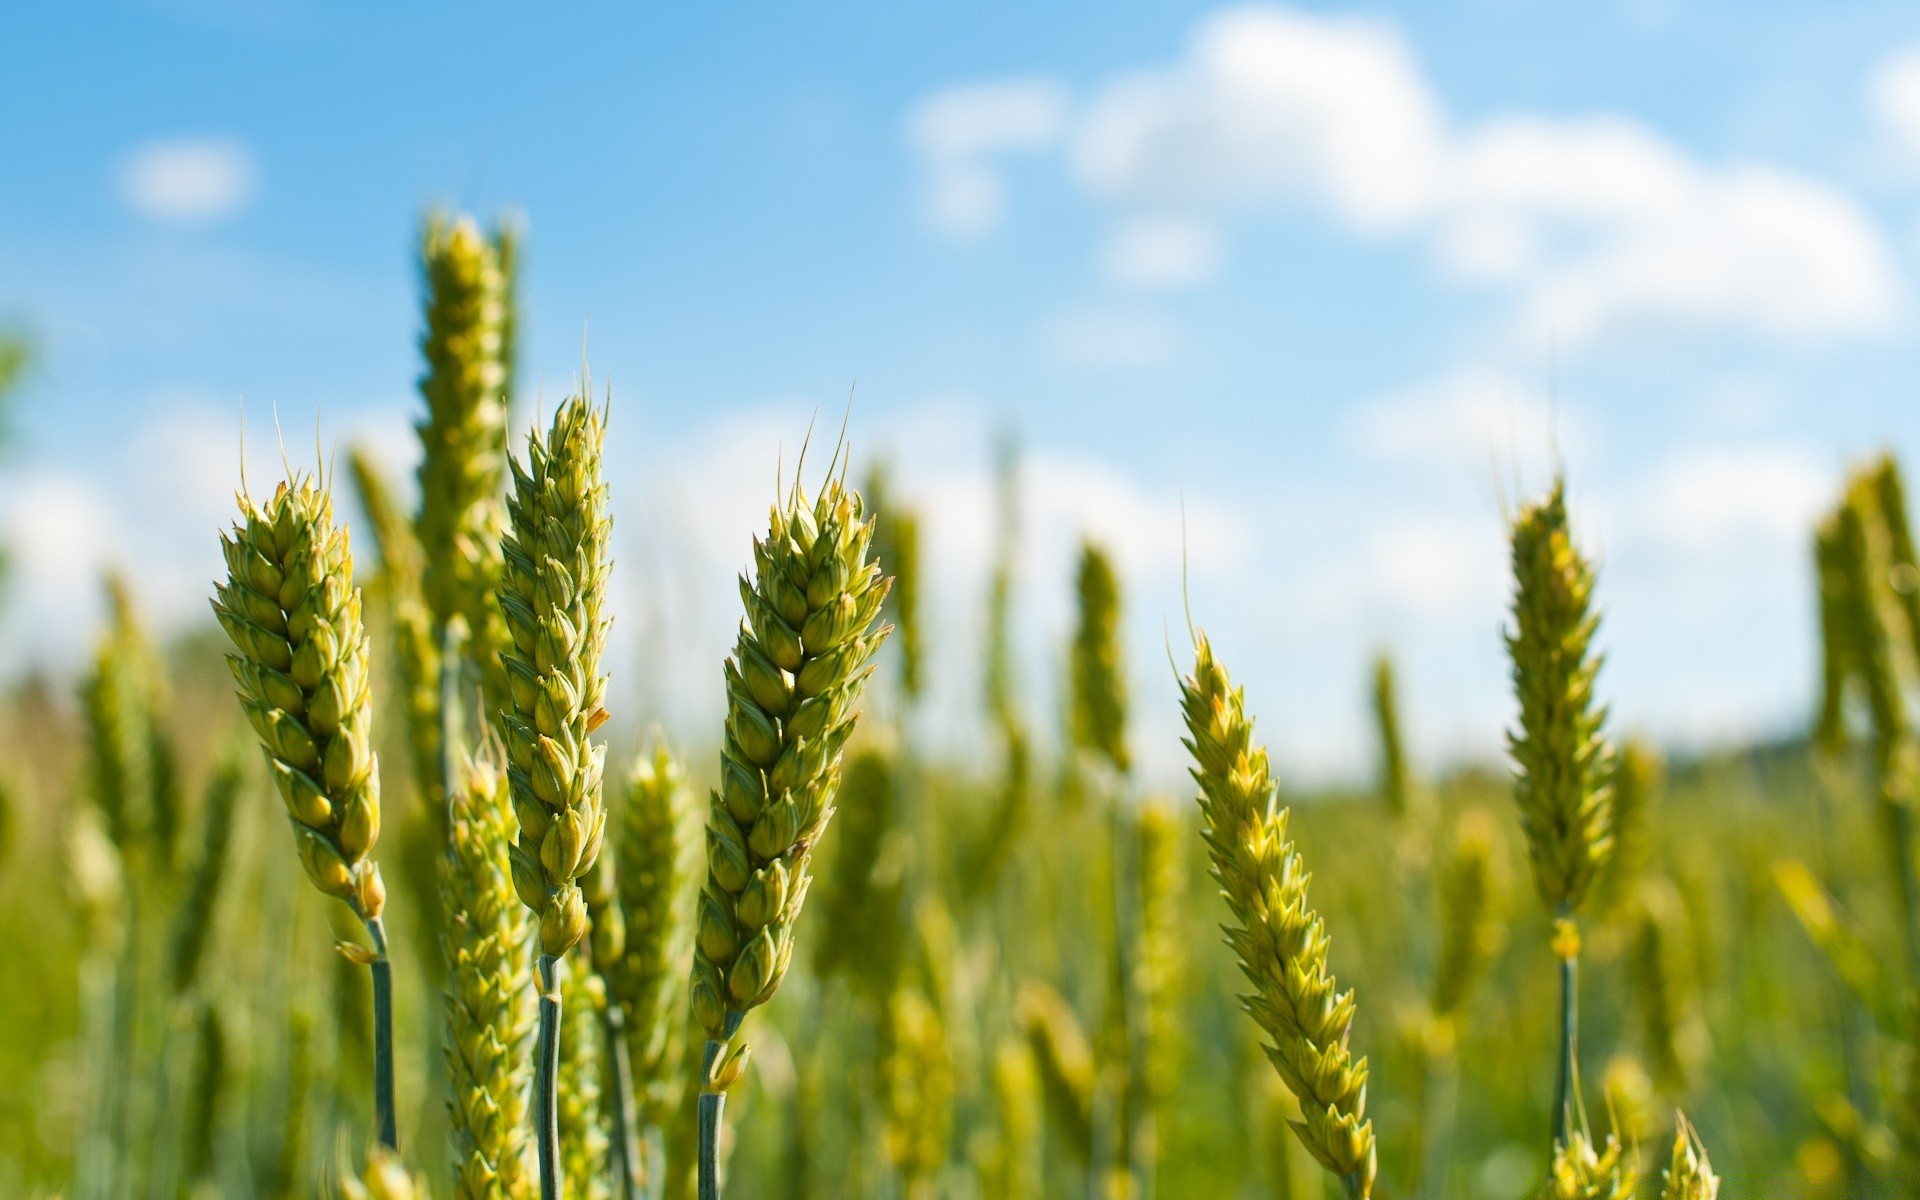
[1098, 680]
[793, 684]
[1562, 762]
[553, 595]
[291, 609]
[1278, 938]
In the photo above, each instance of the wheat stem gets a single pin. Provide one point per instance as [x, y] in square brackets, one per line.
[382, 969]
[546, 1080]
[1563, 1089]
[626, 1130]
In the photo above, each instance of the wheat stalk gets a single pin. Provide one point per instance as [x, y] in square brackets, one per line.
[553, 595]
[792, 685]
[487, 1022]
[583, 1140]
[1562, 763]
[291, 609]
[605, 947]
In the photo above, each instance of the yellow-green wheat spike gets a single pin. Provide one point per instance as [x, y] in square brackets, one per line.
[1099, 689]
[1008, 1158]
[1469, 934]
[1161, 958]
[654, 851]
[113, 697]
[463, 437]
[1903, 572]
[488, 1017]
[1638, 773]
[1689, 1175]
[301, 662]
[861, 889]
[1862, 538]
[793, 684]
[554, 597]
[1562, 763]
[1659, 984]
[207, 1092]
[583, 1137]
[385, 1177]
[1581, 1172]
[1279, 940]
[999, 646]
[917, 1083]
[1064, 1060]
[1838, 648]
[193, 919]
[1395, 782]
[896, 547]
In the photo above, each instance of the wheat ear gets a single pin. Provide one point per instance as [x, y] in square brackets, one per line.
[112, 695]
[463, 439]
[917, 1091]
[193, 920]
[1064, 1061]
[583, 1139]
[290, 606]
[553, 594]
[1582, 1171]
[1562, 763]
[487, 1017]
[1279, 940]
[1638, 773]
[654, 851]
[385, 1177]
[1396, 781]
[1007, 1158]
[1689, 1175]
[793, 684]
[896, 547]
[1099, 689]
[861, 889]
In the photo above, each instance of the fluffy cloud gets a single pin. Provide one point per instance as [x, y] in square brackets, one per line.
[1893, 95]
[1266, 105]
[1472, 420]
[963, 136]
[1162, 252]
[1592, 225]
[1726, 496]
[188, 180]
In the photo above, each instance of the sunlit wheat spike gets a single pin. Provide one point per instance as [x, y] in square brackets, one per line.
[861, 889]
[193, 919]
[1395, 778]
[1838, 648]
[1279, 939]
[917, 1091]
[896, 547]
[290, 606]
[1903, 572]
[1659, 984]
[1689, 1176]
[1580, 1171]
[463, 437]
[1469, 933]
[1862, 540]
[1562, 762]
[114, 696]
[1064, 1060]
[1008, 1159]
[1098, 683]
[554, 597]
[206, 1092]
[487, 1004]
[655, 849]
[1162, 958]
[793, 687]
[385, 1177]
[1638, 773]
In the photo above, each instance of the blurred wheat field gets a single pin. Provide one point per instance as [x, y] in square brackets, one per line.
[1011, 980]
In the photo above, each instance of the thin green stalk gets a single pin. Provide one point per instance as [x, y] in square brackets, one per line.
[713, 1103]
[546, 1078]
[1569, 1030]
[626, 1132]
[382, 969]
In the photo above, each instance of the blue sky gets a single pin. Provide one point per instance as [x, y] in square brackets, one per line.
[1342, 279]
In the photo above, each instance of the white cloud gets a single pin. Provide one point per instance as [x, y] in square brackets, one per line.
[1589, 226]
[1893, 96]
[189, 180]
[963, 134]
[1110, 338]
[1270, 104]
[1720, 496]
[1474, 420]
[1163, 252]
[1625, 230]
